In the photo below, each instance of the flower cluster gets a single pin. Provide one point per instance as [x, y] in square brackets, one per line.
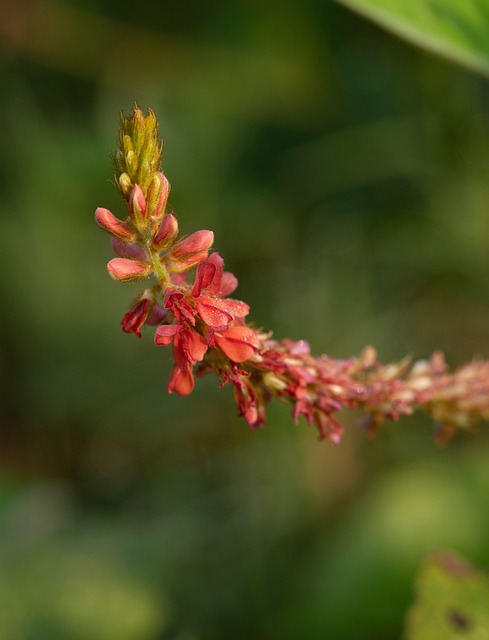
[190, 306]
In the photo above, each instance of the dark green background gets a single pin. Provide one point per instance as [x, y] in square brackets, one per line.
[345, 175]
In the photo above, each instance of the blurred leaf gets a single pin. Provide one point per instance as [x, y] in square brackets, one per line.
[456, 29]
[453, 601]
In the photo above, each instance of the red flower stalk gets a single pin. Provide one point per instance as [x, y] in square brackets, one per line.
[209, 332]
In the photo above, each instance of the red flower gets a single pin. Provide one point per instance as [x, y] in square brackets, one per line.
[180, 306]
[136, 317]
[188, 347]
[211, 284]
[144, 310]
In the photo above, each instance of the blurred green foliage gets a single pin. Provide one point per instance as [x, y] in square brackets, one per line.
[454, 28]
[452, 601]
[345, 176]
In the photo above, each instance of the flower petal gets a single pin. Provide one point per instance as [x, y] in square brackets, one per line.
[203, 278]
[188, 347]
[238, 343]
[134, 319]
[166, 332]
[181, 381]
[236, 308]
[210, 312]
[229, 283]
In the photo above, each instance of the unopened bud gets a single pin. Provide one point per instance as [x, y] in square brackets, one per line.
[131, 162]
[188, 262]
[157, 197]
[137, 205]
[167, 232]
[195, 243]
[125, 184]
[125, 270]
[128, 250]
[119, 161]
[127, 144]
[107, 220]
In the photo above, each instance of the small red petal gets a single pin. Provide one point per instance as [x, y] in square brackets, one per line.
[204, 276]
[166, 332]
[236, 308]
[211, 314]
[195, 346]
[229, 283]
[238, 343]
[181, 381]
[214, 286]
[134, 319]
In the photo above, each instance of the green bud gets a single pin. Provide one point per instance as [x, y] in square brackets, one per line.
[125, 184]
[127, 144]
[120, 161]
[138, 158]
[131, 162]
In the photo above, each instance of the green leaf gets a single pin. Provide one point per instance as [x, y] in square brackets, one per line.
[452, 601]
[456, 29]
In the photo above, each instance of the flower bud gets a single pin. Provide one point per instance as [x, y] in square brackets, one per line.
[157, 197]
[107, 220]
[125, 184]
[131, 162]
[167, 232]
[195, 243]
[128, 250]
[127, 144]
[125, 270]
[137, 205]
[184, 264]
[119, 161]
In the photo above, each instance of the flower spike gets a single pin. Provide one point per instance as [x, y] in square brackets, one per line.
[209, 333]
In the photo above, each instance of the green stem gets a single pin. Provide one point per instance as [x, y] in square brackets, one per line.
[159, 270]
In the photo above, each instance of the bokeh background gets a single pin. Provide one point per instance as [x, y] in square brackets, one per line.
[345, 175]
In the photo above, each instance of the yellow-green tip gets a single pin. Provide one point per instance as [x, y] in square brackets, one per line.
[138, 157]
